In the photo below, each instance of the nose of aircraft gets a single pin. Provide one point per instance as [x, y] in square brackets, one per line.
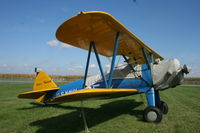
[186, 69]
[168, 74]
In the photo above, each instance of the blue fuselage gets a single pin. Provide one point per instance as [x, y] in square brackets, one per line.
[142, 84]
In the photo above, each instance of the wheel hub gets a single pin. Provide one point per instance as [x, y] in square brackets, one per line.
[152, 116]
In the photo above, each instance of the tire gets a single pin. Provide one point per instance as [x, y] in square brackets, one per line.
[152, 114]
[163, 107]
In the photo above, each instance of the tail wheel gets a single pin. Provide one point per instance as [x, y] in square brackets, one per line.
[163, 107]
[152, 114]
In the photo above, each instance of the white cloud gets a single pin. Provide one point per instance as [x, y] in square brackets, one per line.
[92, 66]
[107, 66]
[3, 65]
[53, 43]
[16, 68]
[78, 67]
[28, 65]
[65, 45]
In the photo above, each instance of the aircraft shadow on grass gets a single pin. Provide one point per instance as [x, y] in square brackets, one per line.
[73, 123]
[40, 105]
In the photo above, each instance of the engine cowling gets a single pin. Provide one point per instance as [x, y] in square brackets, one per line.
[168, 74]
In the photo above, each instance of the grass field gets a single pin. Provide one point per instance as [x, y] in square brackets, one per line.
[119, 115]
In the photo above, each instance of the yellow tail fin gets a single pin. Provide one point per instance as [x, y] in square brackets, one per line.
[42, 82]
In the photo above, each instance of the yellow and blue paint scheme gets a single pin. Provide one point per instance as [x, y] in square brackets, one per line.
[101, 33]
[74, 91]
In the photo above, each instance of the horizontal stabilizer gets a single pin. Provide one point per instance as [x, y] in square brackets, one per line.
[90, 93]
[35, 94]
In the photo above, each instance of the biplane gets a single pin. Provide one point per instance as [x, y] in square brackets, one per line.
[144, 71]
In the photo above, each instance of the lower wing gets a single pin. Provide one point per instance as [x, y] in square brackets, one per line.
[91, 93]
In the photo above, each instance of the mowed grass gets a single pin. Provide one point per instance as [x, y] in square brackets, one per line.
[119, 115]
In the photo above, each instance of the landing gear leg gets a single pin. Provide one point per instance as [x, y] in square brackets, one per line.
[152, 113]
[160, 104]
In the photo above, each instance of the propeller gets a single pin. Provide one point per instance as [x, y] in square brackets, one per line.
[186, 69]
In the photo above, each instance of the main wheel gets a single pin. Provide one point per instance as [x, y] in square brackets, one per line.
[152, 114]
[163, 107]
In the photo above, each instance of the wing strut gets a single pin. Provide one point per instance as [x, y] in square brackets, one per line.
[146, 57]
[152, 58]
[113, 59]
[87, 65]
[147, 60]
[99, 63]
[92, 46]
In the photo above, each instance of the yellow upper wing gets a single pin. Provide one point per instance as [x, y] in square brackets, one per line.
[91, 93]
[101, 28]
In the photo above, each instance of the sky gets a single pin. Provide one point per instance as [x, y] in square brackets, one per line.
[27, 32]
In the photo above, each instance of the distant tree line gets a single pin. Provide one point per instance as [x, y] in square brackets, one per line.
[32, 76]
[192, 80]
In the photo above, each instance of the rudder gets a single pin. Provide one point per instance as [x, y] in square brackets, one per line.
[43, 81]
